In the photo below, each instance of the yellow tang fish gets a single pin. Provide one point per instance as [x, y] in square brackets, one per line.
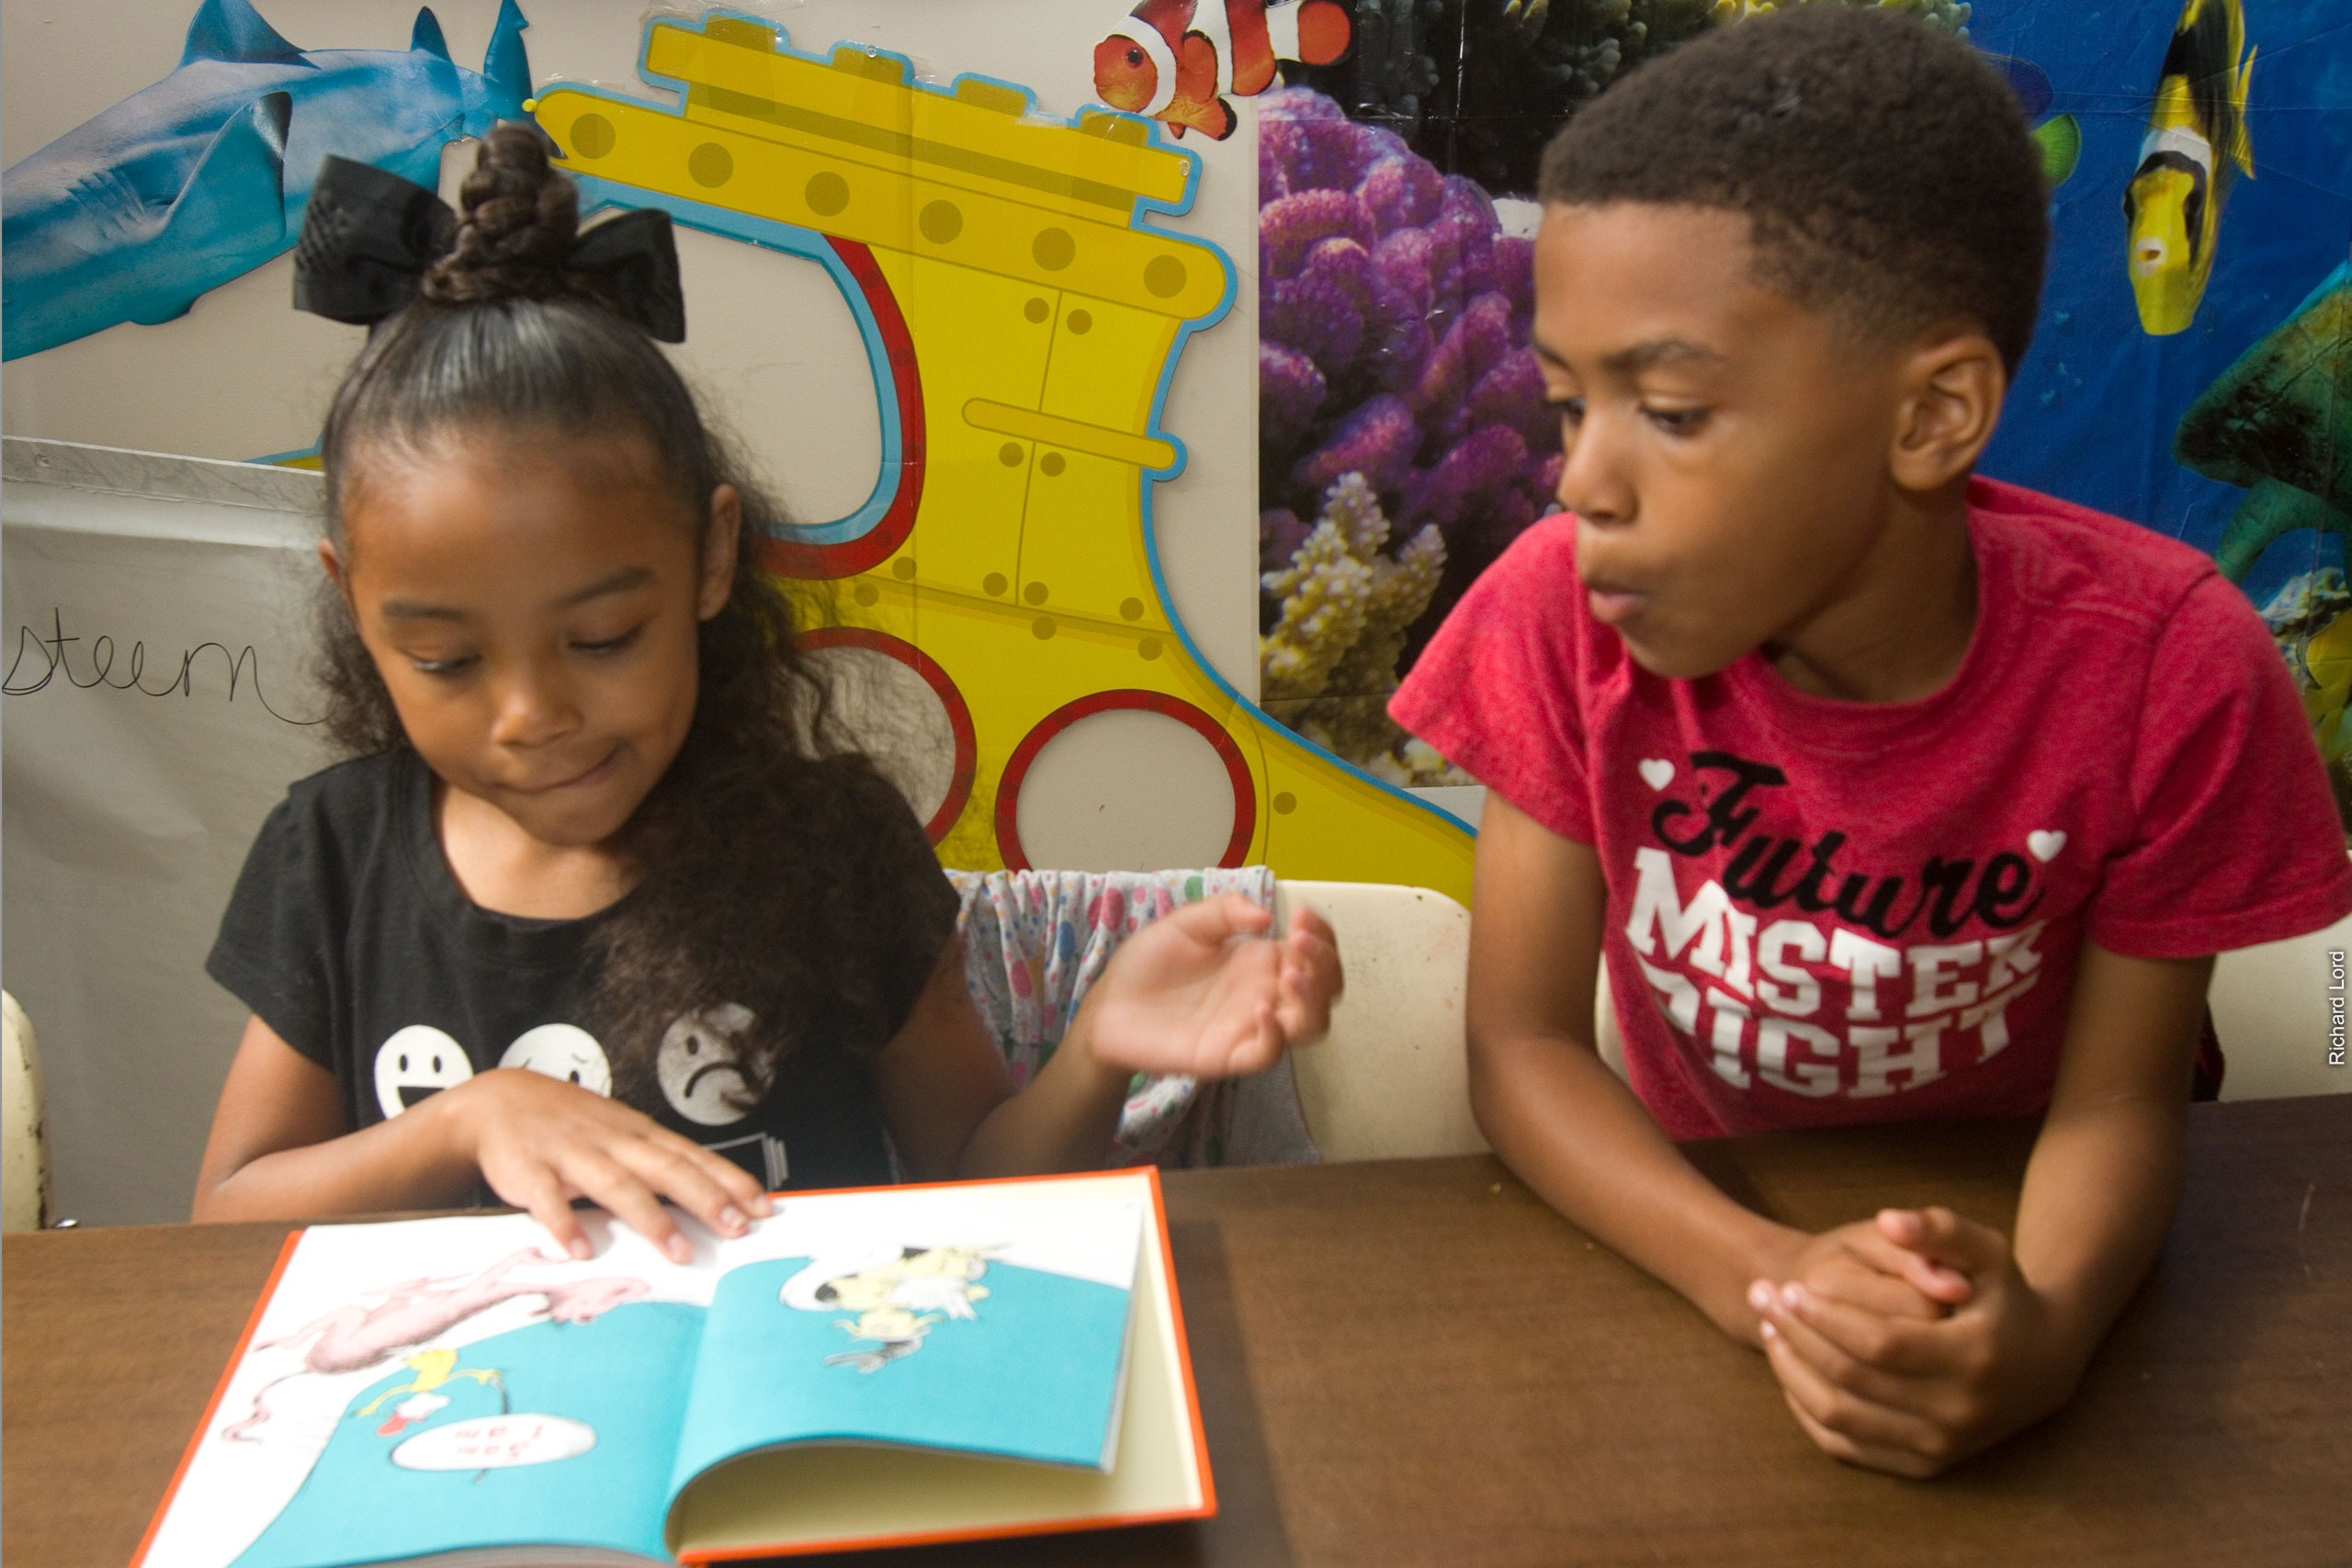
[2195, 143]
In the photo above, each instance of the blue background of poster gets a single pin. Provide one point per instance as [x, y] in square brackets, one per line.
[2092, 416]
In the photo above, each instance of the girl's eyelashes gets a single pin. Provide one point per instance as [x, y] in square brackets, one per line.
[609, 645]
[1571, 410]
[463, 663]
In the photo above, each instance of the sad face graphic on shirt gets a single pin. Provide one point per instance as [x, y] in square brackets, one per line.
[699, 1069]
[700, 1066]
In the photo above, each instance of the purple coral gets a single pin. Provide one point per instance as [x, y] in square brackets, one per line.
[1394, 319]
[1378, 441]
[1290, 391]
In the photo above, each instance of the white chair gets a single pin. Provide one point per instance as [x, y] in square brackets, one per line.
[1391, 1080]
[24, 1150]
[2279, 1013]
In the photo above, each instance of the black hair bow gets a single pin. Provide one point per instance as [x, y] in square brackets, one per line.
[368, 236]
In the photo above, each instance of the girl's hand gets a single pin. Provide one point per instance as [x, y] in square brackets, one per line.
[541, 1143]
[1909, 1395]
[1204, 991]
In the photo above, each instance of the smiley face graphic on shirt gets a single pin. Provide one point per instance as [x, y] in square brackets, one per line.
[417, 1061]
[563, 1051]
[700, 1067]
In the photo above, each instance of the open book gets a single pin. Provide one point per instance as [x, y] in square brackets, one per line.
[866, 1368]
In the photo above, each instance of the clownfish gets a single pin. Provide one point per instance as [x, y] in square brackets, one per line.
[1162, 66]
[2195, 144]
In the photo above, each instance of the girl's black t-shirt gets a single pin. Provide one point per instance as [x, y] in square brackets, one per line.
[349, 937]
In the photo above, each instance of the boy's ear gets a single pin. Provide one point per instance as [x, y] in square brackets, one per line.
[720, 543]
[1951, 393]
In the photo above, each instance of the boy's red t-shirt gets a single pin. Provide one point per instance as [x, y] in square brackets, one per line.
[1823, 912]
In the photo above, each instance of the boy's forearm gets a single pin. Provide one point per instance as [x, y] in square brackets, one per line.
[1572, 1132]
[2105, 1176]
[2098, 1197]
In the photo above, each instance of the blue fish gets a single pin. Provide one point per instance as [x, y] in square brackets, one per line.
[182, 185]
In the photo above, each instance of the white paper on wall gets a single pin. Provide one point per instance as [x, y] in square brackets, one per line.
[157, 645]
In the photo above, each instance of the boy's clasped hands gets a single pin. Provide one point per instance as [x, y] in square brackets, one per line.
[1909, 1341]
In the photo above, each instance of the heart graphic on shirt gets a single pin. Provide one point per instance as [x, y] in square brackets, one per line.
[2045, 843]
[1657, 772]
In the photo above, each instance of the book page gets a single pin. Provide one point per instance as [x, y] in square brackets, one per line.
[989, 1318]
[434, 1386]
[807, 1497]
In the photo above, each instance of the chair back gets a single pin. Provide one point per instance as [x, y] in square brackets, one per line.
[2278, 1013]
[24, 1149]
[1392, 1079]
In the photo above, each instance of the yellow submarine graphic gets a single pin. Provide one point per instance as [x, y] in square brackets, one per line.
[1021, 323]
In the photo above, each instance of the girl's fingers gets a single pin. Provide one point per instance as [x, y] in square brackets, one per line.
[1212, 921]
[1307, 927]
[703, 1183]
[1863, 1421]
[1262, 1046]
[1302, 1014]
[1310, 979]
[685, 1180]
[1237, 1045]
[619, 1193]
[546, 1199]
[738, 1187]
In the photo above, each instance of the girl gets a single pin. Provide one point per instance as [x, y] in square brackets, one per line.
[596, 802]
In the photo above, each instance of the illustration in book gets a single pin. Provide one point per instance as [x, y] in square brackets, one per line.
[898, 1293]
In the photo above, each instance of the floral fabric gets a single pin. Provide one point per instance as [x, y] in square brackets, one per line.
[1035, 941]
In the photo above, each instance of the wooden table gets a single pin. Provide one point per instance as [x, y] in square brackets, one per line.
[1415, 1363]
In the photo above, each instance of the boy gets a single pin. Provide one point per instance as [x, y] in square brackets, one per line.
[1885, 792]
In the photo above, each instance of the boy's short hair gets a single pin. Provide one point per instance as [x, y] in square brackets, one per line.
[1886, 166]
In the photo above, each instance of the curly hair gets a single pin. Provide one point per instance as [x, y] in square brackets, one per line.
[765, 793]
[1885, 165]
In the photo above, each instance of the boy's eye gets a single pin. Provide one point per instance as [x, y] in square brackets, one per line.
[1678, 422]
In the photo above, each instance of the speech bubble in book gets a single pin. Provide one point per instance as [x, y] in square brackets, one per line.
[496, 1442]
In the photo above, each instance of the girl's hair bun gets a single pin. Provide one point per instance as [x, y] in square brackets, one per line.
[519, 216]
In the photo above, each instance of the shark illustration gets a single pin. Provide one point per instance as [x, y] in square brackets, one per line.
[182, 185]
